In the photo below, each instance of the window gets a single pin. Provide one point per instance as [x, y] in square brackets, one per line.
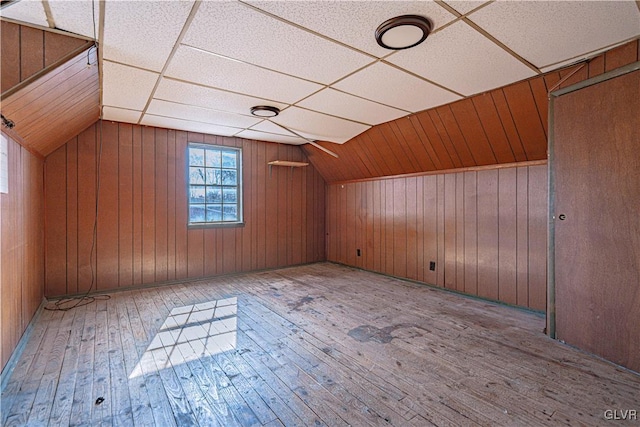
[214, 184]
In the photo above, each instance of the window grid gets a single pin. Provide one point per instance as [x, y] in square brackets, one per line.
[214, 184]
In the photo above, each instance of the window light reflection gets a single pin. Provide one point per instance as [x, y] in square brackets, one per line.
[189, 333]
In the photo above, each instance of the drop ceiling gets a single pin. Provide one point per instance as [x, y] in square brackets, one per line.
[200, 66]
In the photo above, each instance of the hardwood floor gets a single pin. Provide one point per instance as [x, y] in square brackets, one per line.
[321, 344]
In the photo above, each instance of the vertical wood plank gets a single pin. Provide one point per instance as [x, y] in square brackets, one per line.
[182, 247]
[148, 205]
[522, 236]
[399, 220]
[108, 224]
[72, 215]
[172, 231]
[621, 56]
[460, 260]
[136, 221]
[449, 231]
[422, 265]
[125, 204]
[471, 233]
[271, 211]
[537, 237]
[161, 205]
[430, 236]
[507, 235]
[31, 51]
[55, 200]
[58, 45]
[488, 234]
[87, 155]
[411, 228]
[350, 213]
[388, 227]
[10, 55]
[440, 229]
[195, 236]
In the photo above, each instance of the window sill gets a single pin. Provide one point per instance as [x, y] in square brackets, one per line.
[215, 225]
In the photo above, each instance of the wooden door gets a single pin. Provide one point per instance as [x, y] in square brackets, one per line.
[595, 166]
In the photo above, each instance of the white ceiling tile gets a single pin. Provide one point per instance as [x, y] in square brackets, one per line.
[75, 16]
[552, 31]
[319, 126]
[462, 59]
[120, 114]
[143, 33]
[269, 127]
[205, 68]
[187, 93]
[199, 114]
[464, 6]
[31, 12]
[270, 137]
[238, 31]
[388, 85]
[188, 125]
[126, 87]
[336, 103]
[353, 22]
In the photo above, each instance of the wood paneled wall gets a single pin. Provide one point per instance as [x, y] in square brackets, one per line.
[22, 255]
[142, 235]
[486, 230]
[27, 50]
[505, 125]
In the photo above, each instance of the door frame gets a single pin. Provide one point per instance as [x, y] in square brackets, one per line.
[551, 242]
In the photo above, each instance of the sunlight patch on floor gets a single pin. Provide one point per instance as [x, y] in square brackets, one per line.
[189, 333]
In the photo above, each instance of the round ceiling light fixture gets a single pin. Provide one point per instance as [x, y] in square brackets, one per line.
[403, 32]
[265, 111]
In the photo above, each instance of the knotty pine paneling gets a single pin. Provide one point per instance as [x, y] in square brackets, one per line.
[484, 229]
[22, 248]
[142, 235]
[504, 125]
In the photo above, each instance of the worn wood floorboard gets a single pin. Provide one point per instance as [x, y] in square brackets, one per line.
[320, 344]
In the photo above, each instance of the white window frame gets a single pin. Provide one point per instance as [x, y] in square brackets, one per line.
[238, 221]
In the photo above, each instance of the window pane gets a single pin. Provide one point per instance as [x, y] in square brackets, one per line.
[213, 158]
[229, 177]
[228, 159]
[196, 213]
[230, 195]
[214, 212]
[196, 156]
[230, 213]
[214, 194]
[196, 175]
[213, 177]
[196, 195]
[213, 184]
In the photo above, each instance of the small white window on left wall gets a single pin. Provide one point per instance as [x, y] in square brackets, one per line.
[4, 164]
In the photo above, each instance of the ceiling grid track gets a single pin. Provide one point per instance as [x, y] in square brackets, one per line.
[200, 66]
[185, 28]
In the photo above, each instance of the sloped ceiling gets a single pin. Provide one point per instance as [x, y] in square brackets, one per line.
[50, 86]
[200, 66]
